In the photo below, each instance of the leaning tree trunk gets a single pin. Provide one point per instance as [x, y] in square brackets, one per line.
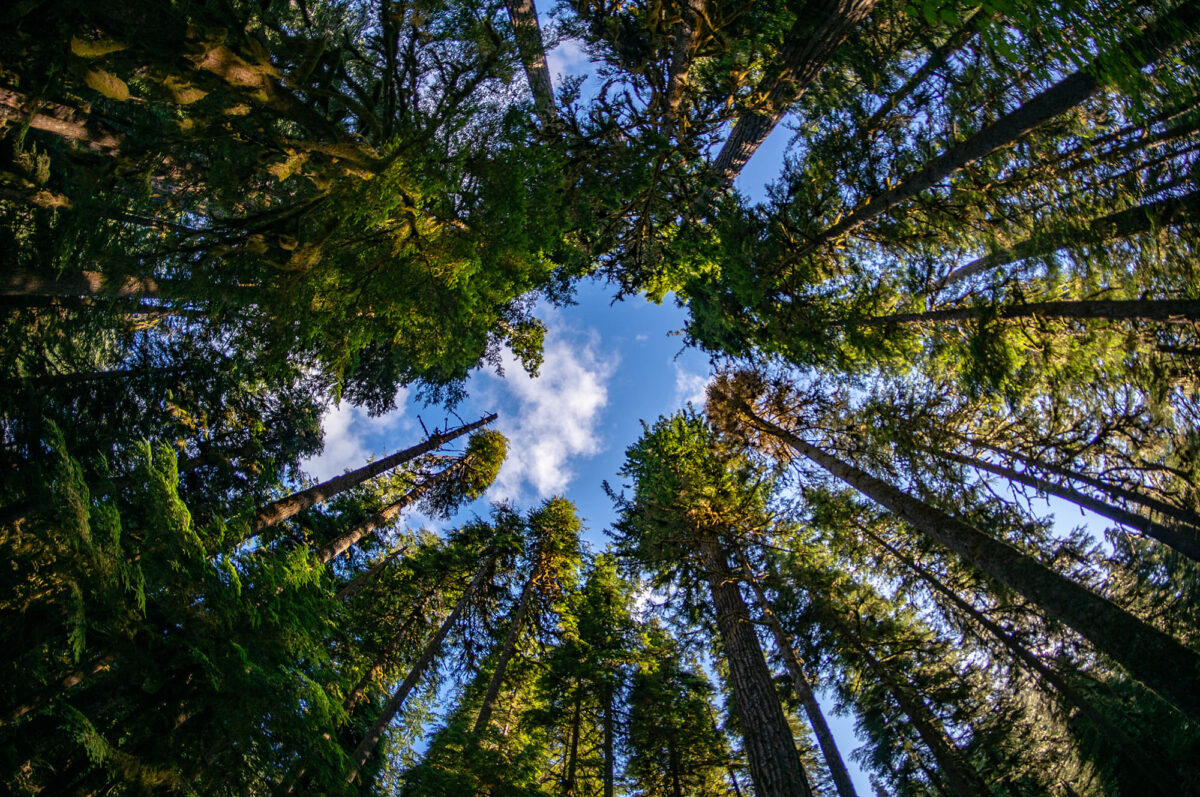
[523, 16]
[959, 773]
[284, 508]
[1149, 655]
[802, 58]
[771, 753]
[506, 653]
[1073, 310]
[348, 539]
[1120, 742]
[1188, 545]
[432, 648]
[1069, 92]
[804, 690]
[1183, 516]
[1150, 217]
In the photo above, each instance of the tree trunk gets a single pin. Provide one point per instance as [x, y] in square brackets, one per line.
[1149, 655]
[936, 59]
[338, 546]
[1114, 490]
[687, 37]
[523, 16]
[573, 752]
[959, 773]
[804, 690]
[506, 654]
[1119, 741]
[1169, 212]
[1101, 309]
[775, 765]
[432, 648]
[609, 759]
[1188, 545]
[1072, 90]
[284, 508]
[352, 588]
[806, 51]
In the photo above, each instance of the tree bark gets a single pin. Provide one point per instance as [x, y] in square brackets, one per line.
[506, 654]
[687, 37]
[936, 59]
[804, 690]
[1116, 491]
[432, 648]
[774, 763]
[1078, 310]
[284, 508]
[609, 758]
[383, 517]
[1158, 215]
[1072, 90]
[573, 753]
[801, 60]
[1188, 545]
[523, 16]
[959, 774]
[1149, 655]
[1120, 741]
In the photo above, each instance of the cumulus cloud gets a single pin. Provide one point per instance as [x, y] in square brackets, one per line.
[554, 418]
[352, 437]
[690, 386]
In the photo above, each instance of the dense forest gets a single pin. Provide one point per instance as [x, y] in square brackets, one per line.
[971, 294]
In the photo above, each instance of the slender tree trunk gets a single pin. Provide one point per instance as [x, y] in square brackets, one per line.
[506, 653]
[804, 690]
[1114, 490]
[523, 16]
[936, 59]
[1153, 657]
[284, 508]
[675, 766]
[344, 542]
[1119, 741]
[1188, 545]
[775, 765]
[373, 671]
[806, 51]
[610, 765]
[1150, 217]
[1069, 92]
[959, 773]
[1099, 309]
[60, 120]
[573, 753]
[352, 588]
[432, 648]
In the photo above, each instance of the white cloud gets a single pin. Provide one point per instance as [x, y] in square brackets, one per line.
[690, 386]
[352, 436]
[568, 58]
[555, 418]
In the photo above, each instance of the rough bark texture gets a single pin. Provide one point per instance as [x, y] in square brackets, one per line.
[285, 508]
[506, 654]
[805, 53]
[1153, 657]
[771, 753]
[1059, 98]
[523, 16]
[804, 690]
[1132, 221]
[959, 774]
[687, 36]
[432, 648]
[1099, 309]
[1120, 741]
[609, 733]
[1188, 545]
